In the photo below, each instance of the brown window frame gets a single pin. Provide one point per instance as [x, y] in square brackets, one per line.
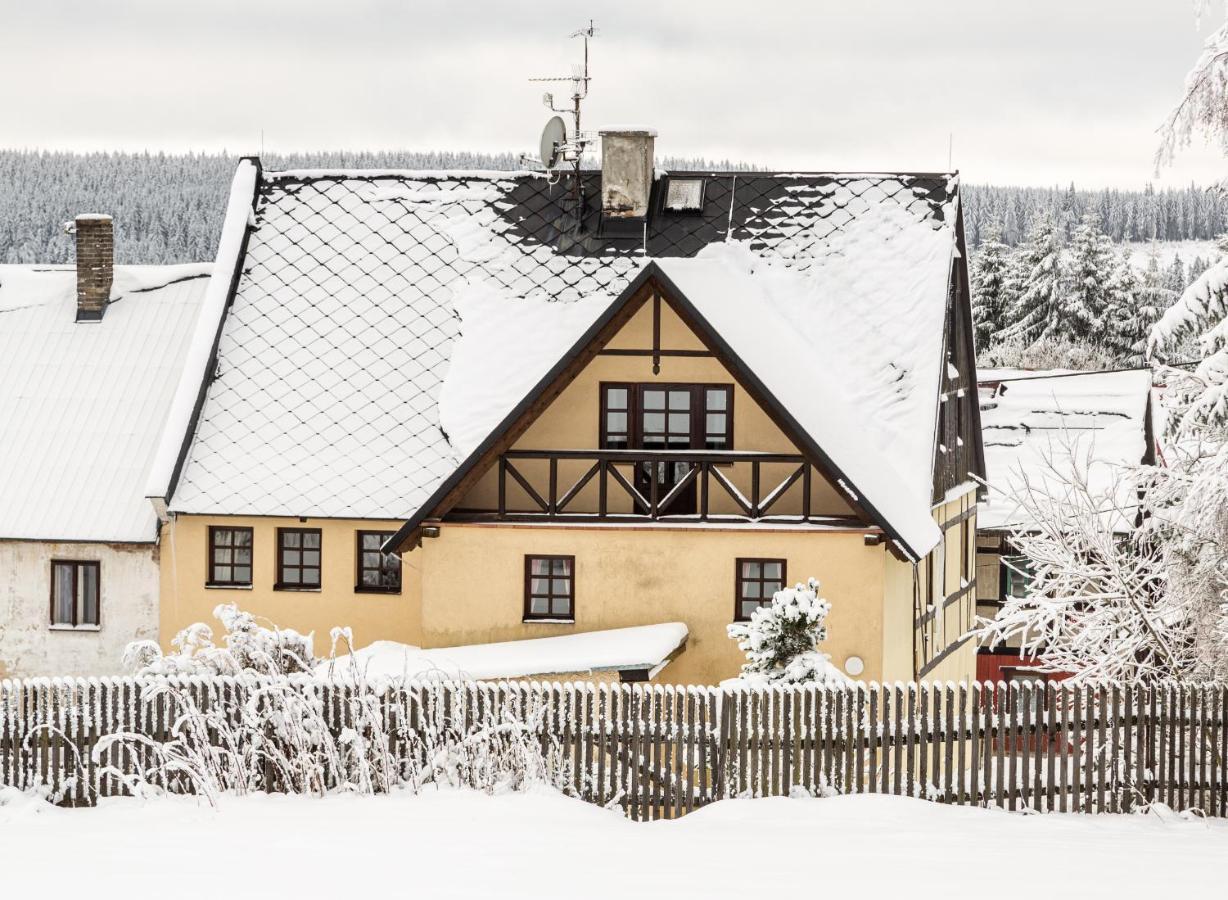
[77, 565]
[603, 430]
[210, 561]
[699, 410]
[727, 412]
[529, 615]
[281, 583]
[359, 550]
[738, 581]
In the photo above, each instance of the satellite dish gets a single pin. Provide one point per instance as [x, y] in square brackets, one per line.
[554, 136]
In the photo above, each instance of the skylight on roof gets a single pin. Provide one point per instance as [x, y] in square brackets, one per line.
[684, 195]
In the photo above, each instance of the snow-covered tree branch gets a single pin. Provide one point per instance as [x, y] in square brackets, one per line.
[1107, 599]
[1203, 106]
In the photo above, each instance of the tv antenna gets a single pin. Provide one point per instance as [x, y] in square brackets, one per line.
[557, 148]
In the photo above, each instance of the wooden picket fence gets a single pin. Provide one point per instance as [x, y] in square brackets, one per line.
[660, 751]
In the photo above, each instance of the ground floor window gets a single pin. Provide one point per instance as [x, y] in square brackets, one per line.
[377, 571]
[1017, 575]
[549, 587]
[230, 557]
[757, 581]
[74, 593]
[298, 558]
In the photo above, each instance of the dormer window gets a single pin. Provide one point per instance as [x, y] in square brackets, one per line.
[684, 195]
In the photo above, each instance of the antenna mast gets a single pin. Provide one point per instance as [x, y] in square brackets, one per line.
[573, 150]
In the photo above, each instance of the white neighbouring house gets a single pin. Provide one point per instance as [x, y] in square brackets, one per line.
[89, 360]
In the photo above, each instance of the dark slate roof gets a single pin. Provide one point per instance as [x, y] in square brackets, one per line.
[335, 350]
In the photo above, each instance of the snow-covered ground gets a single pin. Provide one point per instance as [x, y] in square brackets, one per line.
[541, 845]
[1166, 251]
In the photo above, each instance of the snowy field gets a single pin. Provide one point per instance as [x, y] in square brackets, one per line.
[1167, 251]
[541, 845]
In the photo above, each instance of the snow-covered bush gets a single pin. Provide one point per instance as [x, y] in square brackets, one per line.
[1047, 353]
[781, 639]
[294, 734]
[247, 647]
[251, 715]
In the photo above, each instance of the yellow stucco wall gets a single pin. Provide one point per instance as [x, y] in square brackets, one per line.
[897, 616]
[899, 601]
[572, 422]
[372, 616]
[643, 575]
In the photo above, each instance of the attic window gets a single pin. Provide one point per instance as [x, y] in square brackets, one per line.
[684, 195]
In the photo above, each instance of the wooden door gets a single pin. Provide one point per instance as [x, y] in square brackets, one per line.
[667, 416]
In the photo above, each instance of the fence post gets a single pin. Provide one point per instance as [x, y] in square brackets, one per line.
[722, 737]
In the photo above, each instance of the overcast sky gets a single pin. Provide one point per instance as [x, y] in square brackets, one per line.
[1034, 92]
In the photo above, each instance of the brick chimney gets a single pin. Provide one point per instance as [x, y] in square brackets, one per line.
[95, 265]
[626, 172]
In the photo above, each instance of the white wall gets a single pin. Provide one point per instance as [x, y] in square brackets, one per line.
[128, 575]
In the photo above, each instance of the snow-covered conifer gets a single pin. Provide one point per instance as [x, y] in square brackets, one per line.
[991, 288]
[1085, 293]
[781, 639]
[1175, 278]
[1125, 330]
[1037, 308]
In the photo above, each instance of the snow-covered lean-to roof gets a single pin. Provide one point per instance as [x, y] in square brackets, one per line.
[644, 649]
[1037, 430]
[384, 323]
[82, 405]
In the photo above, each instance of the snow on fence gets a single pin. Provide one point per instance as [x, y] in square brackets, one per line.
[660, 751]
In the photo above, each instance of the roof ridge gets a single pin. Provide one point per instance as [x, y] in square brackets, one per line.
[360, 174]
[511, 174]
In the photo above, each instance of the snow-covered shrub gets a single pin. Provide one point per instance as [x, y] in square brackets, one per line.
[1047, 353]
[247, 647]
[251, 715]
[295, 734]
[781, 639]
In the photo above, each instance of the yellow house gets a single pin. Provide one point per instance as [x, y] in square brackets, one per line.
[462, 408]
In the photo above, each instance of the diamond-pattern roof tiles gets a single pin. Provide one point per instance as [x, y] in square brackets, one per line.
[332, 358]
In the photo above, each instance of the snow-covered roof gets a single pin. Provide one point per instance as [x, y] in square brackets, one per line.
[82, 405]
[354, 368]
[642, 648]
[1038, 429]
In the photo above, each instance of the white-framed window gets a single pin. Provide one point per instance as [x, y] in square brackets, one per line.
[75, 593]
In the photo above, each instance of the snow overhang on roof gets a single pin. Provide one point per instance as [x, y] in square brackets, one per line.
[82, 406]
[200, 353]
[1038, 426]
[356, 334]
